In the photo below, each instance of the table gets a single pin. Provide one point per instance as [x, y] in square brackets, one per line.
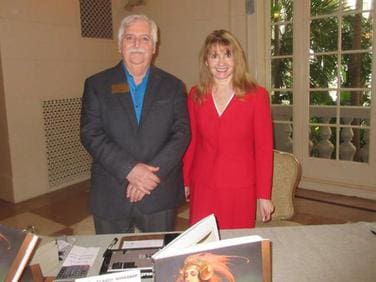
[339, 252]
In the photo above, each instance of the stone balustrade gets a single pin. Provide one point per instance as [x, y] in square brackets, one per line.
[325, 126]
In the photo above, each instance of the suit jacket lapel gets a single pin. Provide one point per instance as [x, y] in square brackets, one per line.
[151, 92]
[120, 89]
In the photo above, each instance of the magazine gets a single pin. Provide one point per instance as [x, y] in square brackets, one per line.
[198, 254]
[16, 248]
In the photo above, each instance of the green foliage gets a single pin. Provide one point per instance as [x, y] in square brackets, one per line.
[349, 70]
[323, 38]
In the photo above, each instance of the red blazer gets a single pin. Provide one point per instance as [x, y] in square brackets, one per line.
[234, 150]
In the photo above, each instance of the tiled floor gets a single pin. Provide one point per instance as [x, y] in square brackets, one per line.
[66, 211]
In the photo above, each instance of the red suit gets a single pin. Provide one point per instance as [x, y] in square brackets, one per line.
[228, 164]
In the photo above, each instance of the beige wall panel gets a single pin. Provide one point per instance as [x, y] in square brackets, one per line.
[180, 46]
[212, 9]
[6, 185]
[56, 12]
[26, 134]
[40, 81]
[48, 42]
[185, 70]
[237, 7]
[184, 26]
[239, 29]
[166, 12]
[43, 58]
[256, 43]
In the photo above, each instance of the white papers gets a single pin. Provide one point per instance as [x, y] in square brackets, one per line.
[140, 244]
[64, 245]
[132, 275]
[81, 256]
[46, 257]
[204, 231]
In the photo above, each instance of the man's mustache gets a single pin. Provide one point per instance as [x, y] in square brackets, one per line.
[136, 50]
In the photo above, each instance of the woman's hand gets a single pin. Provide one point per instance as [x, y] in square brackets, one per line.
[187, 193]
[266, 209]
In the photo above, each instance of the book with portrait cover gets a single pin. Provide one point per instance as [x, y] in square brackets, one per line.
[198, 254]
[16, 248]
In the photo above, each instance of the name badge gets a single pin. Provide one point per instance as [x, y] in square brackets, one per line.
[119, 88]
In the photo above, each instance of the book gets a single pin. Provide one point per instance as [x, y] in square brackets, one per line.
[135, 252]
[16, 248]
[32, 273]
[198, 254]
[131, 275]
[147, 240]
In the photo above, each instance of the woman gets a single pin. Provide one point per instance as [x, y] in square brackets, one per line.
[206, 267]
[228, 164]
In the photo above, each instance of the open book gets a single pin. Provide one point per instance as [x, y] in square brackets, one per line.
[135, 252]
[198, 253]
[16, 248]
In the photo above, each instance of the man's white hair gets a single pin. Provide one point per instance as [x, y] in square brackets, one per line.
[132, 18]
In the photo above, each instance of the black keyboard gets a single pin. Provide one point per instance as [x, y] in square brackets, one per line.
[69, 273]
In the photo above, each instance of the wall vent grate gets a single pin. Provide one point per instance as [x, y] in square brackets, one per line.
[67, 159]
[96, 18]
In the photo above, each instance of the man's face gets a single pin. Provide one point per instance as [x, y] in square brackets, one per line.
[137, 46]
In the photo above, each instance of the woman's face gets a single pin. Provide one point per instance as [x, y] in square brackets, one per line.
[191, 274]
[221, 62]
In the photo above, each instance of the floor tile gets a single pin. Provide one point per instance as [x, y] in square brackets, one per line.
[66, 211]
[181, 224]
[7, 209]
[183, 211]
[43, 226]
[84, 227]
[340, 200]
[62, 232]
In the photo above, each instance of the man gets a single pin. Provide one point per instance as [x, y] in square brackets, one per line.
[135, 126]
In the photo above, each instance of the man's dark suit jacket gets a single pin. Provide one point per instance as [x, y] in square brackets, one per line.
[110, 133]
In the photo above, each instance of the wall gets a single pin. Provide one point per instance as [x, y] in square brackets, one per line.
[43, 56]
[5, 167]
[184, 24]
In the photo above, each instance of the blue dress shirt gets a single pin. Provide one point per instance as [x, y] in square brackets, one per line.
[137, 91]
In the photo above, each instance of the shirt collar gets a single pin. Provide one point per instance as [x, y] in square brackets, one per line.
[130, 79]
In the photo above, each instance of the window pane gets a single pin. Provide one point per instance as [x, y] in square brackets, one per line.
[347, 149]
[323, 142]
[282, 73]
[323, 114]
[355, 116]
[356, 4]
[356, 70]
[362, 147]
[281, 10]
[357, 32]
[282, 97]
[326, 98]
[354, 144]
[281, 40]
[355, 98]
[358, 116]
[319, 7]
[323, 71]
[283, 134]
[324, 34]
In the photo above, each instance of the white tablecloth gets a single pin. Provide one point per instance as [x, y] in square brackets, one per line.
[340, 252]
